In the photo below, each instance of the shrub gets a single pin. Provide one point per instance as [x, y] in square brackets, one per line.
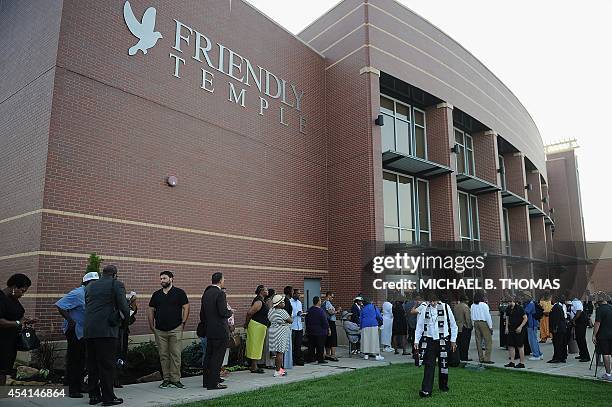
[45, 356]
[144, 358]
[93, 263]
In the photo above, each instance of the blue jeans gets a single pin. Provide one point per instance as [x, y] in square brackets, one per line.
[534, 344]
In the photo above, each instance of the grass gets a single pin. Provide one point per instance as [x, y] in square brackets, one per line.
[399, 384]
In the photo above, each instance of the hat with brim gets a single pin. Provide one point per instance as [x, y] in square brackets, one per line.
[277, 299]
[92, 275]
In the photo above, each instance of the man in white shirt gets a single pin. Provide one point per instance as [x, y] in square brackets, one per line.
[483, 327]
[297, 329]
[437, 327]
[579, 322]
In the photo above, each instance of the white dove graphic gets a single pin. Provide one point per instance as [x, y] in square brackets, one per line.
[143, 31]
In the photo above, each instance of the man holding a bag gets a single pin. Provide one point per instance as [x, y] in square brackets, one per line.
[105, 302]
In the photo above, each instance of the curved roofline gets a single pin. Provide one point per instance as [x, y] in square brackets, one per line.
[473, 56]
[446, 35]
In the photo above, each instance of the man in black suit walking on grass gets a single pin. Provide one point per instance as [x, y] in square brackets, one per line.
[213, 317]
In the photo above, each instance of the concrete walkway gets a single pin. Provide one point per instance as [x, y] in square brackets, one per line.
[148, 394]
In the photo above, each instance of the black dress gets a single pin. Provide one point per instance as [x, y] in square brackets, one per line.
[400, 326]
[11, 310]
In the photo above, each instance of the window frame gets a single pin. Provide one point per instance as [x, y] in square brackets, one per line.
[470, 209]
[411, 125]
[467, 168]
[416, 227]
[502, 172]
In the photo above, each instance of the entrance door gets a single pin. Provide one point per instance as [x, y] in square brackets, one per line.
[312, 288]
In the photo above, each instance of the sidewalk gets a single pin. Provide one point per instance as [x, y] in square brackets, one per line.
[148, 394]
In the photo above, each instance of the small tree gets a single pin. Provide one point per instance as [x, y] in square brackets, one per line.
[93, 264]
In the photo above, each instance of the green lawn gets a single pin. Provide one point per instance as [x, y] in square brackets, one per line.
[399, 385]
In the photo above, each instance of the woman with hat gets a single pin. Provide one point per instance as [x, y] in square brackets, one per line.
[256, 325]
[279, 332]
[356, 309]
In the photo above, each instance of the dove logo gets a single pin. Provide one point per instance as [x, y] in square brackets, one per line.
[144, 31]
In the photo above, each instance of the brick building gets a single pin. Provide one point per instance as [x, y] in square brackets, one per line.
[288, 152]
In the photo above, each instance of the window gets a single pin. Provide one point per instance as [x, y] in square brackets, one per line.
[404, 128]
[420, 139]
[502, 173]
[406, 207]
[465, 156]
[506, 230]
[469, 227]
[423, 199]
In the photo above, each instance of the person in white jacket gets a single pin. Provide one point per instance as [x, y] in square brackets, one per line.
[387, 327]
[436, 325]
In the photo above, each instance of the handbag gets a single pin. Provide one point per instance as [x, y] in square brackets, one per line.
[27, 340]
[234, 341]
[114, 319]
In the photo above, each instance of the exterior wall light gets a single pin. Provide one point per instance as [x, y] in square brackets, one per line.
[455, 149]
[380, 120]
[172, 181]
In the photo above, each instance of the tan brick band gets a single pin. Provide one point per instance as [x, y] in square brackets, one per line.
[163, 261]
[159, 226]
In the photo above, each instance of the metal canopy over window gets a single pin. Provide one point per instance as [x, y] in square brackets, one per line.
[510, 199]
[411, 165]
[475, 185]
[534, 212]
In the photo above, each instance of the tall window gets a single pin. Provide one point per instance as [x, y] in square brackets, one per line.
[404, 128]
[420, 138]
[406, 206]
[465, 156]
[506, 230]
[468, 217]
[502, 173]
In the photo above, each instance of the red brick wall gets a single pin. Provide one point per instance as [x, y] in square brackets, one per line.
[442, 189]
[29, 32]
[535, 195]
[438, 144]
[489, 217]
[120, 125]
[515, 173]
[485, 155]
[564, 194]
[518, 218]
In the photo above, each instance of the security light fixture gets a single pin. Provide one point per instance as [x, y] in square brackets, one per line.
[172, 181]
[380, 120]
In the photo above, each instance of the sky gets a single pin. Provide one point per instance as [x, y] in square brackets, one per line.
[555, 56]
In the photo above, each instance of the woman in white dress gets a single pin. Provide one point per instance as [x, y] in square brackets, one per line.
[387, 328]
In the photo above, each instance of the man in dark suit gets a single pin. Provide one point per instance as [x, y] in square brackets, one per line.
[558, 327]
[213, 317]
[105, 308]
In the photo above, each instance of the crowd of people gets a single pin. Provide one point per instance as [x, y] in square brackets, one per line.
[97, 316]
